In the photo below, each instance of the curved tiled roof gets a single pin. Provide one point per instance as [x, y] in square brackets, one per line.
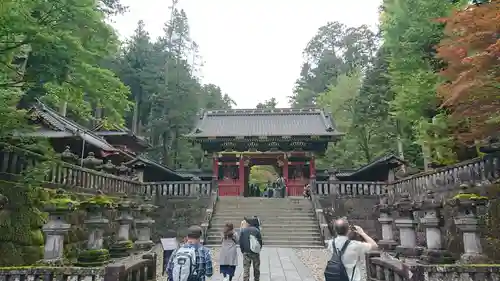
[264, 122]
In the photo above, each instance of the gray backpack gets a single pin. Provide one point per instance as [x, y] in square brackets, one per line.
[185, 265]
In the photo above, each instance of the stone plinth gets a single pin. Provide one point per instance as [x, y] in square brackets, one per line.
[143, 225]
[123, 245]
[406, 225]
[466, 221]
[54, 230]
[384, 208]
[432, 221]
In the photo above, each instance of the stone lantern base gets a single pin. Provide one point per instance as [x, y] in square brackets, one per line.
[436, 256]
[387, 245]
[90, 258]
[409, 252]
[121, 249]
[144, 245]
[474, 258]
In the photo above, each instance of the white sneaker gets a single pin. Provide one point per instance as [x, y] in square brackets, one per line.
[226, 278]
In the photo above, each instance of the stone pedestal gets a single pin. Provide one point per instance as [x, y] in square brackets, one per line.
[123, 245]
[406, 225]
[467, 222]
[432, 221]
[54, 230]
[384, 208]
[143, 225]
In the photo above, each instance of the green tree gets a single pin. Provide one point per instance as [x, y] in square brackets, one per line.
[270, 103]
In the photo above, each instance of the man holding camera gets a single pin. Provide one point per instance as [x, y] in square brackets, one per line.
[348, 255]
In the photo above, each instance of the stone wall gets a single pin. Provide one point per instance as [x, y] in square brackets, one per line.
[175, 215]
[359, 211]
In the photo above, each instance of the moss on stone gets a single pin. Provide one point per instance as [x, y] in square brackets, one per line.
[469, 196]
[93, 257]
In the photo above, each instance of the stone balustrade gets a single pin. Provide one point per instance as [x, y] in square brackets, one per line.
[347, 188]
[477, 172]
[91, 174]
[178, 188]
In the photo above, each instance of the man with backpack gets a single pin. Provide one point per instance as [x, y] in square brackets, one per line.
[347, 254]
[191, 261]
[250, 246]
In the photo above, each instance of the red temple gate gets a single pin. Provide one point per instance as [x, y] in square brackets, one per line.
[285, 138]
[232, 170]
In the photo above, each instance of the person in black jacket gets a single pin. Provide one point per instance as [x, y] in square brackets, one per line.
[249, 257]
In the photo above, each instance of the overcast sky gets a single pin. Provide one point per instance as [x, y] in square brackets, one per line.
[252, 49]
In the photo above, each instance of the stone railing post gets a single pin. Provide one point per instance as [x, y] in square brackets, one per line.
[406, 225]
[95, 255]
[143, 224]
[385, 218]
[123, 245]
[56, 227]
[432, 222]
[467, 222]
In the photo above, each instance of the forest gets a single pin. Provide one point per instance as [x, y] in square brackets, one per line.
[416, 87]
[424, 85]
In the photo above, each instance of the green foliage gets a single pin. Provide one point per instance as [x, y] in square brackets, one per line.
[261, 175]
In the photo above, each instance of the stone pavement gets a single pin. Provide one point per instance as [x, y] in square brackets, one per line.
[277, 264]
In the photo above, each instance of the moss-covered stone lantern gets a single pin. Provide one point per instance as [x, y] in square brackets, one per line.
[68, 156]
[143, 224]
[56, 226]
[123, 244]
[3, 201]
[467, 222]
[95, 255]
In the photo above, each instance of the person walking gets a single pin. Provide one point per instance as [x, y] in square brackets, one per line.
[348, 256]
[250, 246]
[228, 259]
[192, 261]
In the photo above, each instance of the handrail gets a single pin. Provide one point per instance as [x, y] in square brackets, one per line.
[214, 198]
[318, 212]
[385, 268]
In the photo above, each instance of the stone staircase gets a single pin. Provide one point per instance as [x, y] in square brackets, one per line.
[286, 222]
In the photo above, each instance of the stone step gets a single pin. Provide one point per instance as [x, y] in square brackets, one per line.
[287, 225]
[294, 239]
[318, 246]
[270, 235]
[231, 217]
[281, 242]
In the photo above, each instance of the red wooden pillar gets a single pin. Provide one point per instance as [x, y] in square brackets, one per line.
[312, 168]
[285, 172]
[241, 176]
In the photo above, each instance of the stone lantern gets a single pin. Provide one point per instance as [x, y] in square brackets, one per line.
[108, 167]
[56, 226]
[406, 225]
[385, 211]
[432, 222]
[91, 162]
[467, 222]
[143, 224]
[123, 170]
[95, 255]
[123, 245]
[68, 156]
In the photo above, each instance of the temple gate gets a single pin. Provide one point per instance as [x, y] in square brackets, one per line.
[287, 139]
